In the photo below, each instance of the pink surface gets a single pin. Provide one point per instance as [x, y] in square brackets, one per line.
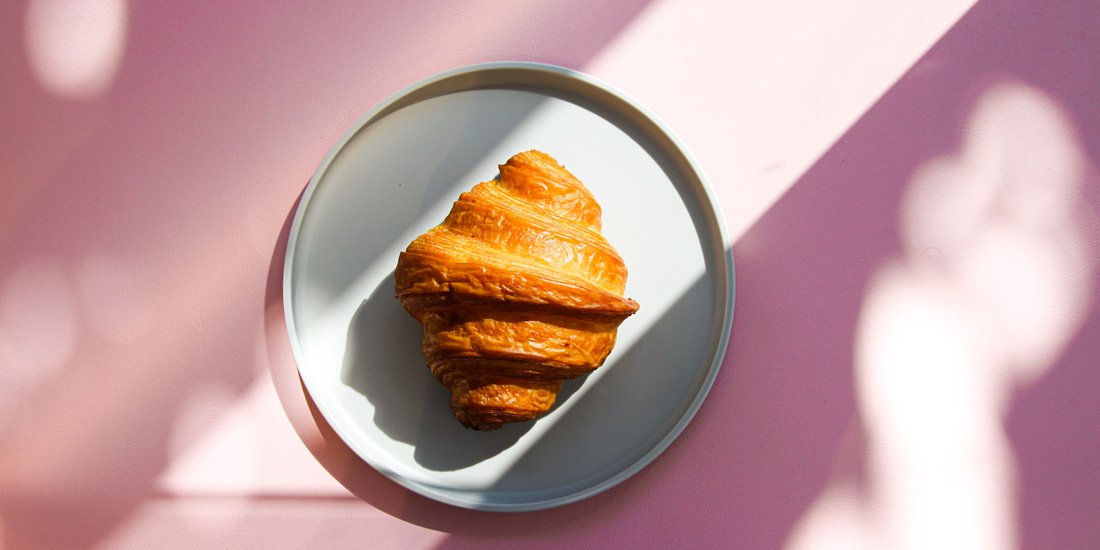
[913, 194]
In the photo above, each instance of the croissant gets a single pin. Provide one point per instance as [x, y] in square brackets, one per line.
[517, 291]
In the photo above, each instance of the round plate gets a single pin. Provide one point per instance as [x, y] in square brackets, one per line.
[395, 174]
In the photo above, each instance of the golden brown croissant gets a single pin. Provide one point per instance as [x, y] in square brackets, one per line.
[517, 291]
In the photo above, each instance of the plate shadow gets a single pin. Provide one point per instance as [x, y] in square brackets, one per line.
[384, 364]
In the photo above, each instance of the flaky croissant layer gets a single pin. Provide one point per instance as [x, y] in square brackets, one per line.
[517, 291]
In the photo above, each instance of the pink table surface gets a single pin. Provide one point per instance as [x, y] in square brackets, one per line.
[911, 187]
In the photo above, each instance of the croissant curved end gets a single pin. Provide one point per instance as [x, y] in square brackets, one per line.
[517, 291]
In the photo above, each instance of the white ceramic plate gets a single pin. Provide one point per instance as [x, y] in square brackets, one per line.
[395, 174]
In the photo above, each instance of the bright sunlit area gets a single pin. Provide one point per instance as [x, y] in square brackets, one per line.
[75, 47]
[994, 279]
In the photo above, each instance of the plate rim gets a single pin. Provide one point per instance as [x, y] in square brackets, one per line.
[709, 205]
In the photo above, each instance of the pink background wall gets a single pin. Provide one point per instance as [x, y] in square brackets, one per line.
[913, 192]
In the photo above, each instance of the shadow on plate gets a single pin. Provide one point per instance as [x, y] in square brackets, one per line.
[384, 364]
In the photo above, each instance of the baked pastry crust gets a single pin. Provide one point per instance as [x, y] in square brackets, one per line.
[517, 291]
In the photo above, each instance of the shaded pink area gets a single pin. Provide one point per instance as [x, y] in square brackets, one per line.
[178, 183]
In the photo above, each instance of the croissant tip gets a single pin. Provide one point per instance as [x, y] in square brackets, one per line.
[478, 422]
[479, 426]
[485, 420]
[531, 153]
